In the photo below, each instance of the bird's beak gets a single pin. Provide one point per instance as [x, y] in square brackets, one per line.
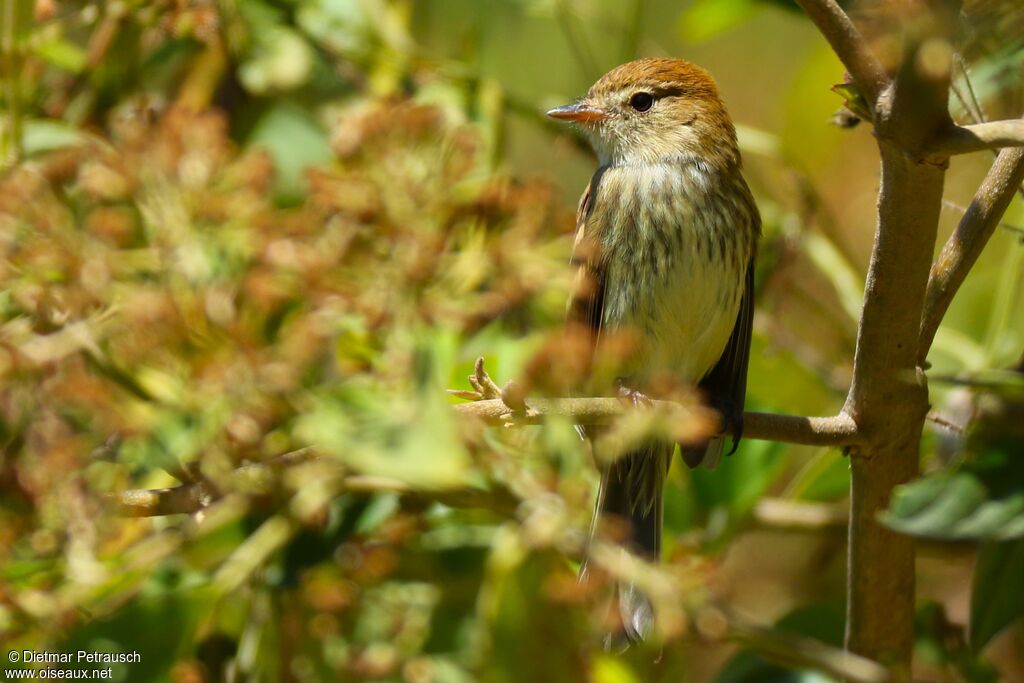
[580, 112]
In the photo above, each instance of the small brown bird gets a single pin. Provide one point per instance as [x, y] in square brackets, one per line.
[666, 236]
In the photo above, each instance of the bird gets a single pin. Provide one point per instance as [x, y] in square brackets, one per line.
[666, 238]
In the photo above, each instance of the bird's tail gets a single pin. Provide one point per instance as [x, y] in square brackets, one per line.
[631, 491]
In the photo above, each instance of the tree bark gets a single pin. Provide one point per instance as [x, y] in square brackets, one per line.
[888, 399]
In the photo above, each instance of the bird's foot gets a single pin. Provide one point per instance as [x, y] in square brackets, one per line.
[635, 398]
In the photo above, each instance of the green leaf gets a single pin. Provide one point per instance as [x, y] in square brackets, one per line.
[983, 500]
[854, 100]
[997, 596]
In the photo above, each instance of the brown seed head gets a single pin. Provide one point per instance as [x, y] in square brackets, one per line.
[653, 109]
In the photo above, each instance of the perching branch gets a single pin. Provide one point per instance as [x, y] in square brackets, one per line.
[838, 430]
[980, 136]
[849, 45]
[968, 240]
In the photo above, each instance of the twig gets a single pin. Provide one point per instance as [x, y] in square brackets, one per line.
[1008, 227]
[849, 46]
[973, 106]
[482, 382]
[944, 422]
[794, 650]
[196, 496]
[979, 137]
[779, 513]
[966, 243]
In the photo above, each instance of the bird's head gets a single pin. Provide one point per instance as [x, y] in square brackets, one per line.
[653, 109]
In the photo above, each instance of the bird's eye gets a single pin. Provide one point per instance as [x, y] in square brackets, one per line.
[641, 101]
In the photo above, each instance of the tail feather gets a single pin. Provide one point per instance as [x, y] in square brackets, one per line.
[631, 491]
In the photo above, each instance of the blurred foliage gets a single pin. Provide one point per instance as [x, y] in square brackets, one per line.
[232, 231]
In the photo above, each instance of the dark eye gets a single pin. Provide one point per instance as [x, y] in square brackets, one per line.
[641, 101]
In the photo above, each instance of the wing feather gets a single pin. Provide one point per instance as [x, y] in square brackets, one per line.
[586, 304]
[726, 383]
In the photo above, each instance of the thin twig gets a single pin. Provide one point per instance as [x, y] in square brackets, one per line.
[947, 424]
[851, 48]
[976, 111]
[1009, 227]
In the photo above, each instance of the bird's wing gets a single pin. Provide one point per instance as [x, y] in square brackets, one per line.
[586, 304]
[726, 383]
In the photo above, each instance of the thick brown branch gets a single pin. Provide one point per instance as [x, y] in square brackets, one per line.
[849, 45]
[888, 398]
[839, 430]
[966, 243]
[980, 136]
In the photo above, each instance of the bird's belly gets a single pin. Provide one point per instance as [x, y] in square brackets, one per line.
[679, 321]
